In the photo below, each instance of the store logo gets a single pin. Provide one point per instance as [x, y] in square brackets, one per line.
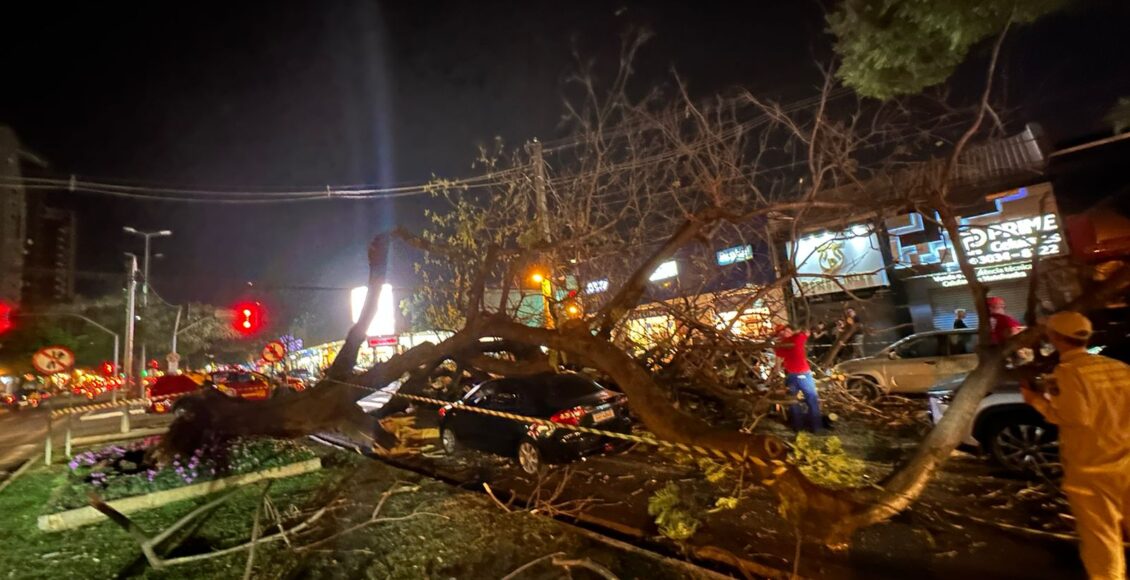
[830, 256]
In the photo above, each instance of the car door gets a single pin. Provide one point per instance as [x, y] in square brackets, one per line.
[914, 364]
[501, 435]
[961, 355]
[468, 426]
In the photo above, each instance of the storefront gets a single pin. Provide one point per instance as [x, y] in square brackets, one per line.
[841, 269]
[1012, 229]
[659, 322]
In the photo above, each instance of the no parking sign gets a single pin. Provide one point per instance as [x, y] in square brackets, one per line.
[53, 359]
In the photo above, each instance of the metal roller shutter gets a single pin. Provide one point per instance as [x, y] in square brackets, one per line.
[943, 302]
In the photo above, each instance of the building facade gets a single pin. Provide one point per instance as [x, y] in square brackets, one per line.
[13, 218]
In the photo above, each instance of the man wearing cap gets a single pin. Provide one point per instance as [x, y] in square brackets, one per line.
[1090, 402]
[790, 351]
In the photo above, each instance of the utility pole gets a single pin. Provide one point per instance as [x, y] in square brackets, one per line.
[145, 273]
[539, 189]
[541, 208]
[131, 293]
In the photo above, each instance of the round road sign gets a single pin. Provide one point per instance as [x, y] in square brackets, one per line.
[53, 359]
[274, 351]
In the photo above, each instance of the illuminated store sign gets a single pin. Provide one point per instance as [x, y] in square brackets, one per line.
[986, 274]
[1013, 240]
[734, 255]
[839, 261]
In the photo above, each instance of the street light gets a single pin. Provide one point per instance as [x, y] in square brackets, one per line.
[145, 262]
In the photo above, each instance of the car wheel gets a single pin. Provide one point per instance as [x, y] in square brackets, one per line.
[529, 458]
[863, 389]
[449, 441]
[1025, 445]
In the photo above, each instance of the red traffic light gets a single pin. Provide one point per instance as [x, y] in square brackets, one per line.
[248, 318]
[5, 317]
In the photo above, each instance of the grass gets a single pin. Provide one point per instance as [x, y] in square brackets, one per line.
[103, 550]
[473, 539]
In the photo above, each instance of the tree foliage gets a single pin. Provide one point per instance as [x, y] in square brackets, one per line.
[900, 47]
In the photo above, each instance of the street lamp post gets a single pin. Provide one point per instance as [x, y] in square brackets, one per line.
[145, 269]
[145, 260]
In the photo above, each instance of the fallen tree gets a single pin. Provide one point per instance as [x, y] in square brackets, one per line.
[644, 181]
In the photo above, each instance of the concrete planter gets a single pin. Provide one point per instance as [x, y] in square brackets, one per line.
[78, 517]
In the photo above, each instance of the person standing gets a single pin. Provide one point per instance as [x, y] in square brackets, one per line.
[1090, 400]
[792, 356]
[1001, 326]
[959, 319]
[853, 325]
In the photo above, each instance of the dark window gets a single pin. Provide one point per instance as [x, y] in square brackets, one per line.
[962, 343]
[920, 348]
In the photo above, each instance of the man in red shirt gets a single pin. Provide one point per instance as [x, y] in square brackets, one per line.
[790, 351]
[1001, 325]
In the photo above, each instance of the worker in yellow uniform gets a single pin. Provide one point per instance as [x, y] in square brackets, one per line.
[1090, 402]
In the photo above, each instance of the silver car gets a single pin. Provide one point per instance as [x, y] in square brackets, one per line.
[1006, 428]
[912, 365]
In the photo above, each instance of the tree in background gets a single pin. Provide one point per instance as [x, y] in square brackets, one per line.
[891, 48]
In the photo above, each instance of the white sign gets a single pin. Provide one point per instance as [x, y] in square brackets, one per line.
[596, 286]
[734, 255]
[384, 322]
[837, 261]
[1013, 240]
[987, 274]
[668, 269]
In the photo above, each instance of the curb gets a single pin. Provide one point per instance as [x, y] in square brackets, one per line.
[79, 517]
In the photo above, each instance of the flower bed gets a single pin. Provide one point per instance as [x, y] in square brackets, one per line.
[119, 471]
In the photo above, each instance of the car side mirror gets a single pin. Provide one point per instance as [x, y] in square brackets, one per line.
[892, 355]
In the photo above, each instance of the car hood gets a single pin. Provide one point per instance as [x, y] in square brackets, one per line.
[951, 384]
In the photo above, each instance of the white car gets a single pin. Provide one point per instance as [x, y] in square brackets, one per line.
[374, 401]
[912, 365]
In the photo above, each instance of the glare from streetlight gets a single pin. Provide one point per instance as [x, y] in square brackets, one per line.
[537, 277]
[130, 230]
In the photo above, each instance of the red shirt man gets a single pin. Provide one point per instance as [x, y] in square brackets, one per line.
[791, 350]
[1001, 325]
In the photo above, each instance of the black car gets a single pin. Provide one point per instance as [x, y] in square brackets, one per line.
[567, 399]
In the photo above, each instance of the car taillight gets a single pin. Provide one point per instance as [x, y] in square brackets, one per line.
[569, 417]
[442, 412]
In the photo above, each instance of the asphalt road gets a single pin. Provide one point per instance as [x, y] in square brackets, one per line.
[22, 433]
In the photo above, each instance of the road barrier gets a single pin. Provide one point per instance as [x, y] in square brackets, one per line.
[70, 412]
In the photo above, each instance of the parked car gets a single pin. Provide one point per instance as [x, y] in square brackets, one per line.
[299, 379]
[568, 399]
[1006, 428]
[912, 365]
[243, 384]
[164, 391]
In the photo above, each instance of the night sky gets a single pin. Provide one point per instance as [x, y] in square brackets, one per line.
[292, 94]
